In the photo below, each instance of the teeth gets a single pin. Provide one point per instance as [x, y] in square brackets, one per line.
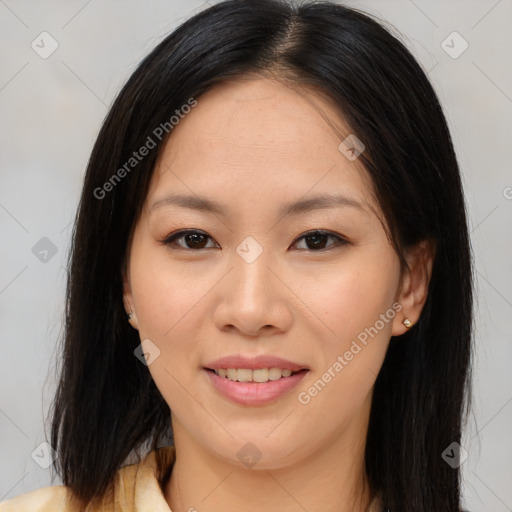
[244, 375]
[274, 373]
[247, 375]
[260, 375]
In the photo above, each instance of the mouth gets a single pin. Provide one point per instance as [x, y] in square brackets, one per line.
[254, 380]
[253, 387]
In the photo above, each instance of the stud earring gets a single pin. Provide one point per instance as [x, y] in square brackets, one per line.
[407, 323]
[130, 315]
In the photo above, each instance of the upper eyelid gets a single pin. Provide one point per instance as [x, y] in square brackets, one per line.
[322, 232]
[183, 232]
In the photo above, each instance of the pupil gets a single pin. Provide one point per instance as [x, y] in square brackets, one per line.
[194, 237]
[316, 237]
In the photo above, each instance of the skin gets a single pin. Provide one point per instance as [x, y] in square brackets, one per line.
[254, 144]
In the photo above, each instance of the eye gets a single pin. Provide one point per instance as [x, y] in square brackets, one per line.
[316, 240]
[197, 240]
[193, 238]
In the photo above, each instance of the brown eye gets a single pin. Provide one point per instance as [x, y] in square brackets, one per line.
[316, 240]
[193, 239]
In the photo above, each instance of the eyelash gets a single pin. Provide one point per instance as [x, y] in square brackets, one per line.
[171, 239]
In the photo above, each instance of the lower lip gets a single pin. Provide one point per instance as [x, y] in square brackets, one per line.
[254, 393]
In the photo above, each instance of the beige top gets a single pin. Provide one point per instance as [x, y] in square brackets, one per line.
[137, 487]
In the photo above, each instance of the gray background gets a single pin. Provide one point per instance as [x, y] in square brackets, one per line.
[51, 110]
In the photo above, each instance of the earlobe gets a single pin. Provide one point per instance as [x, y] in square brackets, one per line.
[130, 312]
[132, 319]
[128, 302]
[415, 284]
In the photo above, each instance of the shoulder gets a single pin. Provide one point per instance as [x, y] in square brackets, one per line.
[46, 499]
[57, 498]
[138, 482]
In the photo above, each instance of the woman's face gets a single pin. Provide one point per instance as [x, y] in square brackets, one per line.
[251, 283]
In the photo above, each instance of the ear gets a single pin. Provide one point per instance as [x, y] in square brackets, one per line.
[413, 291]
[128, 297]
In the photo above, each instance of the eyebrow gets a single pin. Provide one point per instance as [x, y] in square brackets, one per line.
[301, 206]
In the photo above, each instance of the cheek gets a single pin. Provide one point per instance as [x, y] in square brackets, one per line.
[167, 297]
[353, 301]
[166, 294]
[353, 297]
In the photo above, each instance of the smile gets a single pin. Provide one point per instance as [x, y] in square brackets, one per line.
[257, 387]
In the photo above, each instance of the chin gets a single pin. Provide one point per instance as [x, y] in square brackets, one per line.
[259, 454]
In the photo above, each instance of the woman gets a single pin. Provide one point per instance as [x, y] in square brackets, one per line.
[270, 291]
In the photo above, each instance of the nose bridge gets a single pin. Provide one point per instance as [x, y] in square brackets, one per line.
[251, 275]
[250, 296]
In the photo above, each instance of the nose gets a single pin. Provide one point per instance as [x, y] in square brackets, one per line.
[253, 299]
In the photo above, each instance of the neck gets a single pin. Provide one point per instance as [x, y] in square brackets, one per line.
[331, 479]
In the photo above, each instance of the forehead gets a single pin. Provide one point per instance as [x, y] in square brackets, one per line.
[264, 114]
[254, 136]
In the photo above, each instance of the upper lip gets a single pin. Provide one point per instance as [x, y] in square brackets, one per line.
[254, 363]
